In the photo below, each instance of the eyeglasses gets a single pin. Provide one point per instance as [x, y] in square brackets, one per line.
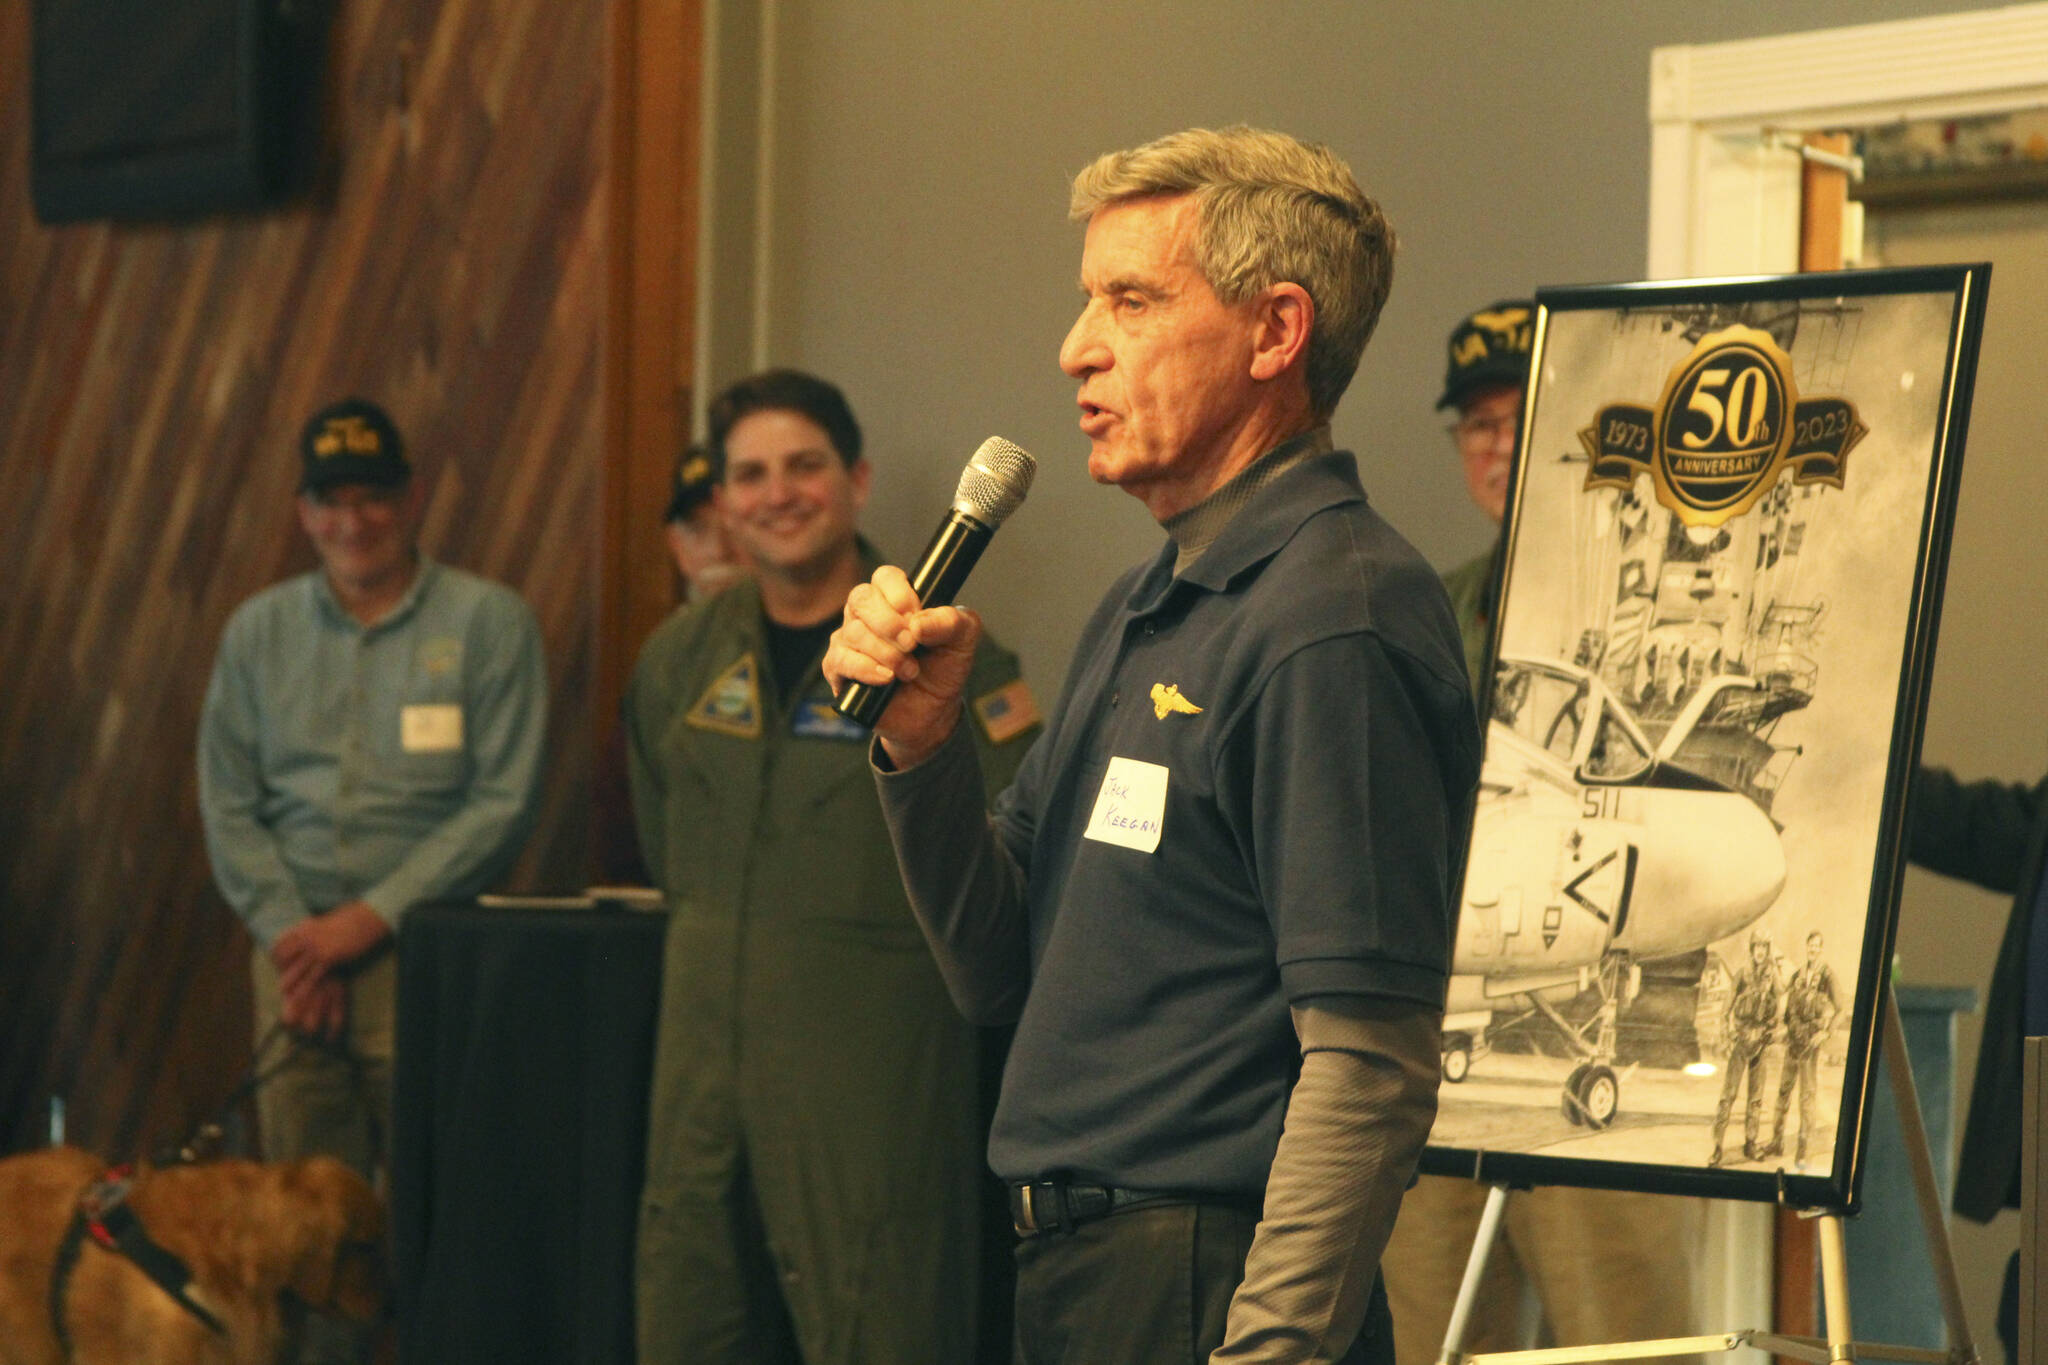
[1484, 433]
[362, 499]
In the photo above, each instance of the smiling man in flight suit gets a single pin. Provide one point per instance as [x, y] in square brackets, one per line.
[814, 1136]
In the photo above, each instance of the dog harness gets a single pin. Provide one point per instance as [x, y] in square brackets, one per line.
[102, 1214]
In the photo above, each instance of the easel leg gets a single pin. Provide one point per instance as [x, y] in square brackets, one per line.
[1906, 1096]
[1841, 1345]
[1475, 1271]
[1834, 1288]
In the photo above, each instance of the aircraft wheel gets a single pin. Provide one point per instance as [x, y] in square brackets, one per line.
[1457, 1058]
[1599, 1096]
[1572, 1105]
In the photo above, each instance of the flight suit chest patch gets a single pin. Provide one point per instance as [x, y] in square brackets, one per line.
[732, 704]
[815, 719]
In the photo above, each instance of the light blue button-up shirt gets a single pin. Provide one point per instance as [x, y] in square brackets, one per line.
[395, 764]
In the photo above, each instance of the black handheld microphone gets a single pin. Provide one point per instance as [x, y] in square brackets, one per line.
[991, 487]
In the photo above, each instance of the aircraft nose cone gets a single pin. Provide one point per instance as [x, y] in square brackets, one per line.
[1712, 862]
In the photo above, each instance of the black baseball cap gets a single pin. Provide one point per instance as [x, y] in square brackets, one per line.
[1489, 347]
[352, 441]
[696, 473]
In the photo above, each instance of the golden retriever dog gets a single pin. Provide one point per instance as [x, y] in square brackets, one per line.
[263, 1243]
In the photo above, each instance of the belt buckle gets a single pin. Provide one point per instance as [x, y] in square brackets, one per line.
[1036, 1199]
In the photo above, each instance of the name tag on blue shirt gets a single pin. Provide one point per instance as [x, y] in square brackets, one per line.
[1130, 810]
[430, 729]
[817, 720]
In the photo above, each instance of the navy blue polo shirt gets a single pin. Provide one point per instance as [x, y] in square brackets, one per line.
[1302, 687]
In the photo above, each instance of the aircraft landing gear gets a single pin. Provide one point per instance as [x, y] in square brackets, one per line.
[1456, 1062]
[1464, 1042]
[1592, 1095]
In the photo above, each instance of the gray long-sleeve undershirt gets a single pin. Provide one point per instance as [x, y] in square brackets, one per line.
[1356, 1120]
[1356, 1123]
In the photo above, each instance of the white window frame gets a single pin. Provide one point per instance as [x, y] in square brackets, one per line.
[1724, 200]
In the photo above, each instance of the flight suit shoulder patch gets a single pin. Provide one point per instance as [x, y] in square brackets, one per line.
[1007, 712]
[732, 704]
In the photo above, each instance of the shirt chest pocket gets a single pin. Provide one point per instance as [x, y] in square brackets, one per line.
[438, 774]
[426, 750]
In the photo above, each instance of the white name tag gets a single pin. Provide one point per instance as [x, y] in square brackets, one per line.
[1130, 810]
[433, 729]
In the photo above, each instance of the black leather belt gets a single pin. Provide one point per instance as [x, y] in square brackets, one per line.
[1061, 1206]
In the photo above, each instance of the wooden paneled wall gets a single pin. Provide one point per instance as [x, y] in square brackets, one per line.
[452, 265]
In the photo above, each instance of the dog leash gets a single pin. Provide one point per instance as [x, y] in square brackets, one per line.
[208, 1136]
[103, 1215]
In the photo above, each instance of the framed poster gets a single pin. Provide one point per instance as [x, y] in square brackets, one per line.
[1719, 581]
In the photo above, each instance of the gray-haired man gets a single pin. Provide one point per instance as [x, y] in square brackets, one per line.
[1228, 859]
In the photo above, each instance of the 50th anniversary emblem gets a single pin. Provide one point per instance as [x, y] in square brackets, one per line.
[1729, 423]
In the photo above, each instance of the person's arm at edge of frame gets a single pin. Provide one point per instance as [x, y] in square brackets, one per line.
[644, 700]
[1356, 1123]
[965, 884]
[1977, 831]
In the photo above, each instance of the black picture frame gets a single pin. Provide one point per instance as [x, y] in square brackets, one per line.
[1719, 584]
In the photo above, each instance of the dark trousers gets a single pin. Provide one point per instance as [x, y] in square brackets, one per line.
[1745, 1064]
[1801, 1067]
[1151, 1286]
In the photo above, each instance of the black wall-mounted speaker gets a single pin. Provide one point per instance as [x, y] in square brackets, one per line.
[151, 110]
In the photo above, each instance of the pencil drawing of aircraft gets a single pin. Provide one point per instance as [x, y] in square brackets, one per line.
[1606, 836]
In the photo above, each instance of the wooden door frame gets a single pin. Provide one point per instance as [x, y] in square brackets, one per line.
[654, 163]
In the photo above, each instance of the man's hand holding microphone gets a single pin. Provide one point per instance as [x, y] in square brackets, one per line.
[886, 637]
[899, 661]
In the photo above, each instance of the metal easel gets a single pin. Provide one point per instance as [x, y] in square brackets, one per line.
[1840, 1343]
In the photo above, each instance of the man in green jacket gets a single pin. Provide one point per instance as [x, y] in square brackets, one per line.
[814, 1171]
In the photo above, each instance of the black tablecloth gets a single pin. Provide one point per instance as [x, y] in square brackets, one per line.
[525, 1039]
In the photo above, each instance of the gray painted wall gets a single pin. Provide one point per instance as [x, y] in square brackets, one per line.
[922, 257]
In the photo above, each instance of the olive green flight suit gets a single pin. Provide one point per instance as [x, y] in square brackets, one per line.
[807, 1048]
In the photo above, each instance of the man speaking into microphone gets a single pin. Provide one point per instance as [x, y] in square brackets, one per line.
[1227, 863]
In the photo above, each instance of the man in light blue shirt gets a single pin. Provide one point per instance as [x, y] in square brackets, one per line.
[371, 739]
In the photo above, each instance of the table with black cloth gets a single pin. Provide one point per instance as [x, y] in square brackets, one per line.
[524, 1043]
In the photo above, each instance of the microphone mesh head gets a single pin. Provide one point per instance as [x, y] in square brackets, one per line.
[995, 481]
